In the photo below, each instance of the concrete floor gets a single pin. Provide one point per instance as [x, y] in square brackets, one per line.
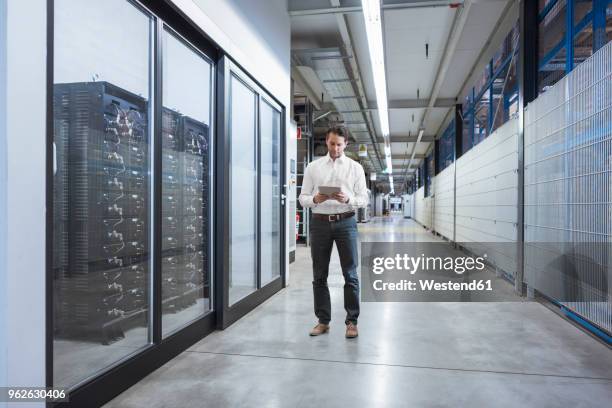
[506, 354]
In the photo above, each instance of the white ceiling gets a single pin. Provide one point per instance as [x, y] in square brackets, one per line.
[401, 148]
[406, 31]
[403, 121]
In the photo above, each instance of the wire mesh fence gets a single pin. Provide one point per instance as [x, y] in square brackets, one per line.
[568, 190]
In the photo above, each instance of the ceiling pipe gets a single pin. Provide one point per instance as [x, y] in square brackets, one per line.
[457, 29]
[357, 9]
[414, 103]
[322, 116]
[297, 76]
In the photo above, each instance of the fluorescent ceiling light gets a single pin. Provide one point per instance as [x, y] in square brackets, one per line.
[373, 22]
[389, 165]
[388, 162]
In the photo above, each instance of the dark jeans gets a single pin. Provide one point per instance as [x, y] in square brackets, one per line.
[322, 237]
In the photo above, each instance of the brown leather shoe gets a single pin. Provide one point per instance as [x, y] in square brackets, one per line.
[319, 329]
[351, 331]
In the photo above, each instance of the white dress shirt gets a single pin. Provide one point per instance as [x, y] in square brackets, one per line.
[343, 172]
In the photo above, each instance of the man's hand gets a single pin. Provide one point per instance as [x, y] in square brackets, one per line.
[319, 198]
[340, 197]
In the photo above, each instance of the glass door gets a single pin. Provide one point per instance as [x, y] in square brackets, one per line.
[270, 186]
[253, 206]
[242, 134]
[102, 117]
[130, 262]
[185, 182]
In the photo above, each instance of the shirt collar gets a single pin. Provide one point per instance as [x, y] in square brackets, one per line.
[339, 159]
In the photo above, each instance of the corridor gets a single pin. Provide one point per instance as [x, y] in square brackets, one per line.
[166, 167]
[506, 354]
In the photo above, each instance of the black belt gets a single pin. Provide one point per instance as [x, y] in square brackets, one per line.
[333, 217]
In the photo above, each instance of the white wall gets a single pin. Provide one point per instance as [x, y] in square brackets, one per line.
[3, 212]
[257, 34]
[419, 204]
[22, 195]
[486, 198]
[487, 188]
[423, 207]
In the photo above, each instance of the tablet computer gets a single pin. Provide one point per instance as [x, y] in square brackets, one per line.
[328, 190]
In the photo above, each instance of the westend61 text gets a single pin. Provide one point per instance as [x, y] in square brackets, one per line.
[428, 285]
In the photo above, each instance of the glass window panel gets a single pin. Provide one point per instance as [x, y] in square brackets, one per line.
[270, 122]
[551, 29]
[498, 86]
[243, 167]
[609, 21]
[482, 80]
[467, 132]
[498, 58]
[505, 87]
[186, 193]
[421, 174]
[581, 9]
[481, 119]
[583, 44]
[446, 147]
[429, 173]
[542, 4]
[512, 105]
[467, 101]
[101, 245]
[507, 48]
[552, 72]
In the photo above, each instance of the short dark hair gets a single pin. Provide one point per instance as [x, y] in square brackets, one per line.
[338, 131]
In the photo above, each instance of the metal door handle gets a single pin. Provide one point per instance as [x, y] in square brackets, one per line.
[54, 159]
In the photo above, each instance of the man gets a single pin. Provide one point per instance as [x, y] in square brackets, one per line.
[333, 220]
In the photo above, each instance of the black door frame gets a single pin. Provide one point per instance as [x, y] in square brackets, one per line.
[99, 389]
[226, 314]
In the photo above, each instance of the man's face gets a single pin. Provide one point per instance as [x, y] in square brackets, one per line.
[335, 145]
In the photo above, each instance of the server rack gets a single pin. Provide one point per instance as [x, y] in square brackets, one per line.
[185, 192]
[101, 190]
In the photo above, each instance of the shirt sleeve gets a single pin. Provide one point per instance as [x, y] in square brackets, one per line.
[359, 199]
[306, 193]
